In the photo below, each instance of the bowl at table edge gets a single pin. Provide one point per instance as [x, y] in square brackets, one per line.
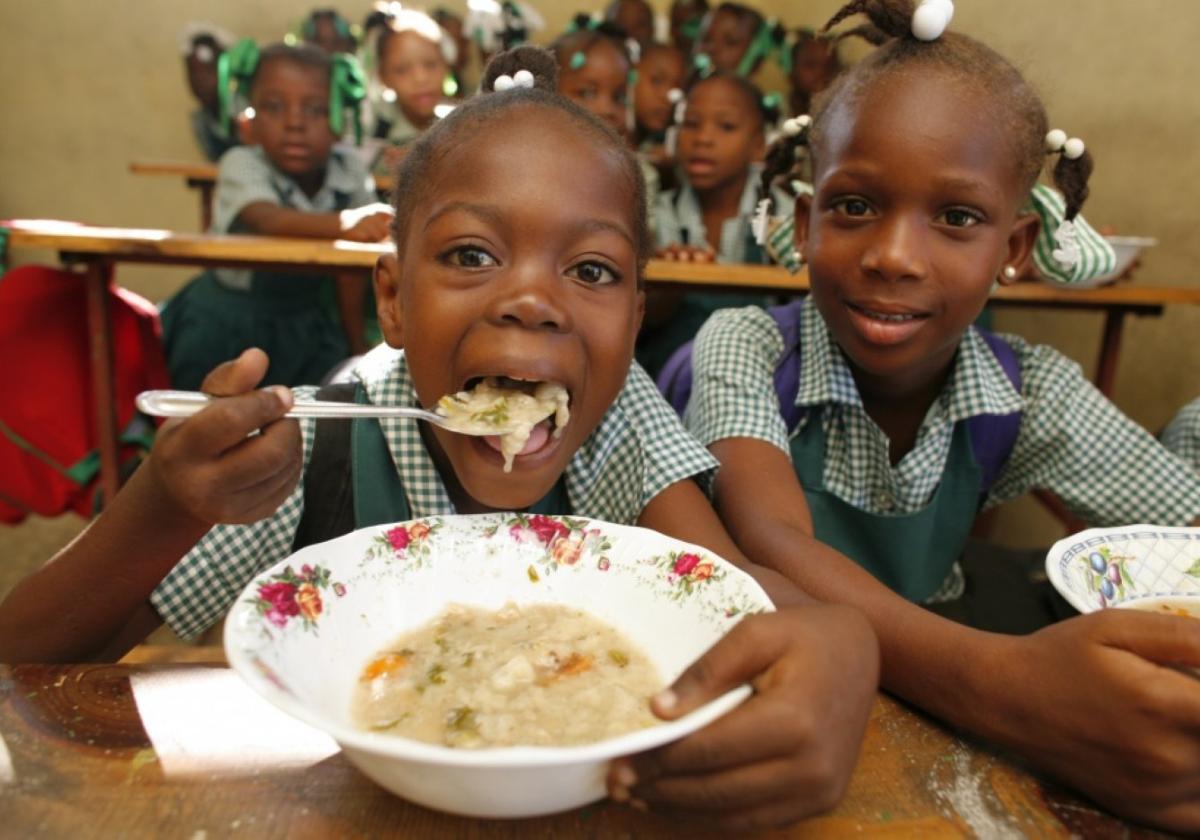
[301, 632]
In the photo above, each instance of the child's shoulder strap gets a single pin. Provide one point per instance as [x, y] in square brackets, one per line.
[328, 484]
[787, 370]
[994, 435]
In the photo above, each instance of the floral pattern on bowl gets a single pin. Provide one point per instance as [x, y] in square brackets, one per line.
[1110, 567]
[303, 630]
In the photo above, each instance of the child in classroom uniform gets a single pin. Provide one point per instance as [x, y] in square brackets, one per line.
[660, 75]
[896, 409]
[1182, 434]
[293, 182]
[326, 29]
[202, 45]
[594, 68]
[720, 146]
[736, 38]
[412, 61]
[635, 18]
[686, 17]
[521, 239]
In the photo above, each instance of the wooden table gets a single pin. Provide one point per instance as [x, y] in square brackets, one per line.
[188, 751]
[98, 249]
[202, 176]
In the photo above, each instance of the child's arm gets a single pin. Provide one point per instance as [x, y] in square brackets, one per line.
[788, 751]
[1095, 700]
[90, 600]
[363, 224]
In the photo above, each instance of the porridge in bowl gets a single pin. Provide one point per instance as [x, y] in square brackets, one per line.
[538, 675]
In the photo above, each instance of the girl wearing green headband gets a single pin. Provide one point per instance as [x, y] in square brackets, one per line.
[291, 181]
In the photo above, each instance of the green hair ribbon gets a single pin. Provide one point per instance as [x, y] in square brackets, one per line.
[347, 89]
[236, 65]
[764, 45]
[703, 64]
[690, 28]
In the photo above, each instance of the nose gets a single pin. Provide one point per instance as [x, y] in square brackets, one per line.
[293, 117]
[897, 251]
[533, 298]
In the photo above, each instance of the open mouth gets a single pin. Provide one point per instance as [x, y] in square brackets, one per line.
[885, 325]
[512, 416]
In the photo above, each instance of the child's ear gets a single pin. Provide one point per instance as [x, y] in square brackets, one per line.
[1021, 239]
[388, 306]
[800, 218]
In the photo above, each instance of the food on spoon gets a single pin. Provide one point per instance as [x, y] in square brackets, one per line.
[508, 409]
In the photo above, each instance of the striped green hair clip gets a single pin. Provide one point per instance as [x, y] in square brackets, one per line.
[347, 89]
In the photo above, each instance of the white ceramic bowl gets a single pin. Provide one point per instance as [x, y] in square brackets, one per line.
[301, 633]
[1140, 566]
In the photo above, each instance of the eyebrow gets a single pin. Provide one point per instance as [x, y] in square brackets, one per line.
[492, 215]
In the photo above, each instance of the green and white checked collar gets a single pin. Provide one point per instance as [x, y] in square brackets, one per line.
[977, 385]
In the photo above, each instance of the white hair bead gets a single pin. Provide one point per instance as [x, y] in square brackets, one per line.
[503, 82]
[930, 20]
[804, 120]
[792, 127]
[523, 79]
[674, 95]
[1073, 148]
[1056, 138]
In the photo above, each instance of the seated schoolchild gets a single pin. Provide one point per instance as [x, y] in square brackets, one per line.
[293, 181]
[521, 241]
[708, 217]
[875, 416]
[734, 38]
[202, 45]
[326, 29]
[412, 57]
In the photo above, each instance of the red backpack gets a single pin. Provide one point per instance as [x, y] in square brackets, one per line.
[49, 462]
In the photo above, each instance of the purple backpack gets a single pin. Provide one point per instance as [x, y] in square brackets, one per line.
[992, 435]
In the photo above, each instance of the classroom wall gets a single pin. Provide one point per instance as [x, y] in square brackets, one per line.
[91, 86]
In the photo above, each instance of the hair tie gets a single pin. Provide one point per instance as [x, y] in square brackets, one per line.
[794, 126]
[578, 59]
[347, 89]
[520, 79]
[931, 18]
[1072, 148]
[674, 96]
[762, 218]
[236, 64]
[764, 44]
[704, 65]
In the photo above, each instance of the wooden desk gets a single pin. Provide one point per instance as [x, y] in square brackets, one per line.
[97, 249]
[188, 751]
[202, 176]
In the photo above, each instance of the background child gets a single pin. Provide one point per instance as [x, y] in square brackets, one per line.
[736, 38]
[1182, 434]
[634, 17]
[202, 45]
[594, 68]
[923, 156]
[292, 182]
[815, 63]
[686, 18]
[661, 70]
[507, 185]
[452, 25]
[328, 30]
[721, 142]
[413, 56]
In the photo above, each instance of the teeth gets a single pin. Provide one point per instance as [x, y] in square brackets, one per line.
[886, 316]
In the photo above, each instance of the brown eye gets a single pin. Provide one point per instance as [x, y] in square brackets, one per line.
[469, 256]
[594, 273]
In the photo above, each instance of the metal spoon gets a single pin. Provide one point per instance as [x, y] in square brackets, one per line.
[187, 403]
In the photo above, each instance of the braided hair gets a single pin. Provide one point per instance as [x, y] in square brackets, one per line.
[491, 108]
[1015, 102]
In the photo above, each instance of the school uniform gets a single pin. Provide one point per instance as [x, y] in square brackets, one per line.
[639, 449]
[289, 315]
[678, 219]
[211, 135]
[1096, 255]
[1182, 434]
[908, 523]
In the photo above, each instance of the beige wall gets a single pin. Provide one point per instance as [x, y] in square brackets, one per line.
[91, 86]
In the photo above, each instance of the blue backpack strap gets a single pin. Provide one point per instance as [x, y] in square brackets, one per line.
[994, 435]
[675, 378]
[787, 369]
